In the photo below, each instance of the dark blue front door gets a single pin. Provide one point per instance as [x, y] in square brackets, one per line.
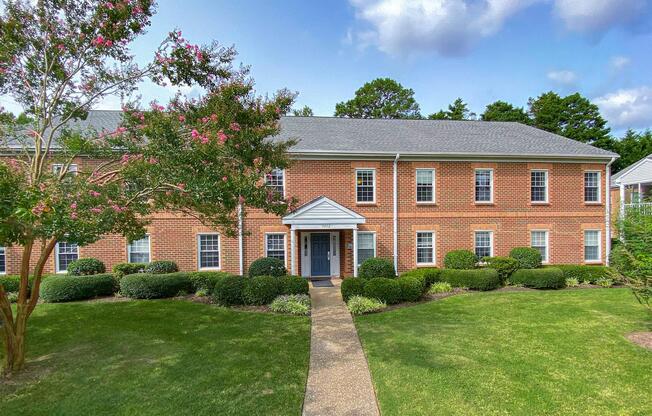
[320, 262]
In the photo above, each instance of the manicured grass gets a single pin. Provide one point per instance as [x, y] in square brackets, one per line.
[160, 358]
[511, 353]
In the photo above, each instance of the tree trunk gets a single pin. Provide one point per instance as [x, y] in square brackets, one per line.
[14, 352]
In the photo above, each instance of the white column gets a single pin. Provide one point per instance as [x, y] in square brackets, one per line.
[622, 200]
[355, 252]
[240, 240]
[293, 249]
[639, 193]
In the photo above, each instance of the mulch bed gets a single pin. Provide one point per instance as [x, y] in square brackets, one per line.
[643, 339]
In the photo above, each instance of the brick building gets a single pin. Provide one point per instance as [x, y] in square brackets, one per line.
[408, 190]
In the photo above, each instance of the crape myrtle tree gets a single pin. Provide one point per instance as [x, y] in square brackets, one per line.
[204, 157]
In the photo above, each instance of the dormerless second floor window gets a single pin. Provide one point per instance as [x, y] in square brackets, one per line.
[275, 246]
[483, 185]
[276, 181]
[365, 181]
[3, 260]
[591, 186]
[539, 186]
[425, 185]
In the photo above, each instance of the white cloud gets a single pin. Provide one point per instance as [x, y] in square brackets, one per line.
[619, 62]
[564, 77]
[627, 108]
[595, 16]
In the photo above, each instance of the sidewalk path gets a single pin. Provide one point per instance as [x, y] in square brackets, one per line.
[339, 382]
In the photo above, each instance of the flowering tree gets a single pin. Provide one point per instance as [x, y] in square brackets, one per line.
[201, 157]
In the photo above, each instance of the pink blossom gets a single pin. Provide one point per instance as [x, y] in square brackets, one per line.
[241, 199]
[98, 41]
[182, 118]
[108, 5]
[38, 209]
[224, 178]
[108, 43]
[73, 205]
[235, 126]
[214, 117]
[61, 47]
[116, 208]
[194, 133]
[73, 215]
[153, 161]
[96, 210]
[93, 193]
[181, 185]
[222, 136]
[42, 187]
[204, 139]
[125, 159]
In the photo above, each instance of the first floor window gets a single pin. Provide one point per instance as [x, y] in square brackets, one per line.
[539, 241]
[425, 185]
[366, 246]
[138, 250]
[209, 251]
[591, 186]
[275, 246]
[365, 183]
[592, 245]
[483, 244]
[276, 181]
[539, 186]
[425, 247]
[3, 260]
[483, 185]
[66, 253]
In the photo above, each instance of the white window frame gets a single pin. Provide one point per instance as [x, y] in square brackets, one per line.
[72, 168]
[547, 232]
[373, 234]
[491, 242]
[149, 248]
[285, 245]
[373, 172]
[219, 252]
[3, 254]
[599, 259]
[267, 180]
[599, 201]
[434, 248]
[416, 185]
[491, 185]
[547, 182]
[57, 268]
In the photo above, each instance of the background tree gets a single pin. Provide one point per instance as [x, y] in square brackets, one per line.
[304, 111]
[458, 110]
[380, 98]
[203, 157]
[503, 111]
[631, 148]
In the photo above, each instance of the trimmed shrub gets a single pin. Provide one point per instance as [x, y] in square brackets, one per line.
[10, 283]
[85, 267]
[383, 289]
[154, 286]
[460, 259]
[527, 257]
[359, 305]
[586, 273]
[294, 285]
[292, 304]
[161, 267]
[229, 291]
[205, 281]
[429, 275]
[123, 269]
[545, 278]
[477, 279]
[376, 267]
[440, 287]
[353, 286]
[267, 266]
[64, 288]
[411, 288]
[261, 290]
[505, 266]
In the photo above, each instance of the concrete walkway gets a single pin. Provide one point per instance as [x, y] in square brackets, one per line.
[339, 382]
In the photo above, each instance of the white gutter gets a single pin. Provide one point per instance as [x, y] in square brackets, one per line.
[607, 200]
[240, 240]
[398, 155]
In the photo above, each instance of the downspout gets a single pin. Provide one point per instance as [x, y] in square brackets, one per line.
[398, 155]
[608, 211]
[240, 240]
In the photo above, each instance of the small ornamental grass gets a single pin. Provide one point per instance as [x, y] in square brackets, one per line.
[359, 305]
[64, 288]
[292, 304]
[572, 282]
[440, 287]
[603, 282]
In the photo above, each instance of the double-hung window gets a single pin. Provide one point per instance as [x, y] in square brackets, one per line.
[484, 244]
[484, 183]
[592, 246]
[57, 167]
[138, 251]
[425, 185]
[65, 253]
[365, 185]
[208, 247]
[539, 186]
[276, 181]
[539, 241]
[3, 260]
[592, 186]
[275, 246]
[366, 246]
[425, 247]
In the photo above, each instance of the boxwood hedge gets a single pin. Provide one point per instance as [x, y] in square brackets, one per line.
[64, 288]
[428, 275]
[205, 281]
[154, 286]
[267, 266]
[376, 267]
[352, 286]
[586, 273]
[412, 288]
[545, 278]
[294, 285]
[383, 289]
[124, 269]
[161, 267]
[261, 290]
[476, 279]
[229, 290]
[84, 267]
[527, 257]
[505, 266]
[460, 259]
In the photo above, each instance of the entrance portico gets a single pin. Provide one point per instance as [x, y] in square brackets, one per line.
[318, 226]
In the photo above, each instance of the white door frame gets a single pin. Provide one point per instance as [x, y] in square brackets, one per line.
[335, 251]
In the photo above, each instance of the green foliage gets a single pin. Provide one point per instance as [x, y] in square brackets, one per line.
[384, 289]
[161, 267]
[359, 305]
[154, 286]
[502, 111]
[11, 283]
[460, 259]
[458, 110]
[428, 275]
[353, 286]
[632, 147]
[12, 297]
[376, 267]
[64, 288]
[411, 288]
[505, 266]
[572, 282]
[633, 257]
[476, 279]
[304, 111]
[205, 281]
[527, 257]
[544, 278]
[230, 291]
[604, 282]
[83, 267]
[586, 273]
[261, 290]
[623, 260]
[122, 269]
[380, 98]
[294, 285]
[267, 266]
[440, 287]
[293, 304]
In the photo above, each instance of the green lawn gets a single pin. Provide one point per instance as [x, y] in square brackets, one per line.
[160, 358]
[511, 353]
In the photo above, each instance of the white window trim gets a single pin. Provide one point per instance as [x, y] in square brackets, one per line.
[149, 248]
[599, 201]
[4, 253]
[219, 251]
[56, 258]
[547, 200]
[285, 245]
[491, 186]
[373, 233]
[284, 180]
[72, 168]
[434, 186]
[599, 259]
[373, 170]
[434, 247]
[546, 261]
[491, 242]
